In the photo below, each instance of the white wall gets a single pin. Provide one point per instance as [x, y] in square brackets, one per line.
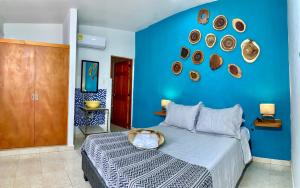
[70, 37]
[1, 30]
[66, 30]
[294, 58]
[119, 43]
[51, 33]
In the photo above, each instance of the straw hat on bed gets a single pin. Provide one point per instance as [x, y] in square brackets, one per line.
[132, 133]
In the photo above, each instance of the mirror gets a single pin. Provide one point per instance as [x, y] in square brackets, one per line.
[89, 76]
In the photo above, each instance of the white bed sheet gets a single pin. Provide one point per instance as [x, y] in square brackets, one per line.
[225, 157]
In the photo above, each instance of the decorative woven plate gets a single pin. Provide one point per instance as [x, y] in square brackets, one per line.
[228, 43]
[210, 40]
[234, 70]
[184, 53]
[132, 133]
[198, 57]
[215, 62]
[239, 25]
[195, 36]
[203, 16]
[220, 22]
[177, 68]
[250, 50]
[195, 76]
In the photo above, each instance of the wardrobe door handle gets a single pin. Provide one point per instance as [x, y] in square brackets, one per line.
[36, 97]
[32, 97]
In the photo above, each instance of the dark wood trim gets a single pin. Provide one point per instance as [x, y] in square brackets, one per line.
[32, 43]
[276, 123]
[131, 78]
[112, 64]
[161, 113]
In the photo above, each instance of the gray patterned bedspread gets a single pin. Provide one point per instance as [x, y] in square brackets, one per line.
[122, 165]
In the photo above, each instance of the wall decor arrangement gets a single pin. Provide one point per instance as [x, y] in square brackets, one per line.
[159, 47]
[250, 50]
[198, 57]
[210, 40]
[234, 70]
[203, 16]
[89, 76]
[194, 75]
[184, 52]
[177, 68]
[215, 62]
[194, 36]
[220, 23]
[239, 25]
[228, 43]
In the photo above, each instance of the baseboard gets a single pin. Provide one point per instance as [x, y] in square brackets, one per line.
[292, 174]
[272, 161]
[34, 150]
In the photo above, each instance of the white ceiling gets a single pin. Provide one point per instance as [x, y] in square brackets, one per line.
[129, 15]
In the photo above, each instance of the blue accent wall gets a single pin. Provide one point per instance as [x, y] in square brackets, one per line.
[267, 80]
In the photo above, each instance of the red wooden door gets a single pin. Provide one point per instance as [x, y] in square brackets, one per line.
[121, 100]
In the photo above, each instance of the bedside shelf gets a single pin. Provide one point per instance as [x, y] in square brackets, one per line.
[276, 123]
[161, 113]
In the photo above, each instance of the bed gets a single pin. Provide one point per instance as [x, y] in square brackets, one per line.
[224, 157]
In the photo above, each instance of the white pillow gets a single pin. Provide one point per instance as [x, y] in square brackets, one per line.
[221, 121]
[182, 116]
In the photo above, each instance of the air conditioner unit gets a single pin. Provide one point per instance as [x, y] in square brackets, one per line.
[90, 41]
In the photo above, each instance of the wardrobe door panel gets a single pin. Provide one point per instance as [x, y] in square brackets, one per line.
[16, 89]
[51, 88]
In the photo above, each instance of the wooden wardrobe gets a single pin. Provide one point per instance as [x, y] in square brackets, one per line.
[34, 80]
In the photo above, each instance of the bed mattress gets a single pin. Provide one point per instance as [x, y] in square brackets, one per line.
[224, 157]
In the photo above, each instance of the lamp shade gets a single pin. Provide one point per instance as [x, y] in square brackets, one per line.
[164, 103]
[267, 109]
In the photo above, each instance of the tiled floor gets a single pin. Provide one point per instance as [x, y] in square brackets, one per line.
[63, 170]
[116, 128]
[47, 170]
[260, 175]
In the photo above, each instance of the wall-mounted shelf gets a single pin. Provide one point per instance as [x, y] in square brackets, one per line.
[161, 113]
[276, 123]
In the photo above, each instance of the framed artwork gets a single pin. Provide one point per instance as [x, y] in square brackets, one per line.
[89, 76]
